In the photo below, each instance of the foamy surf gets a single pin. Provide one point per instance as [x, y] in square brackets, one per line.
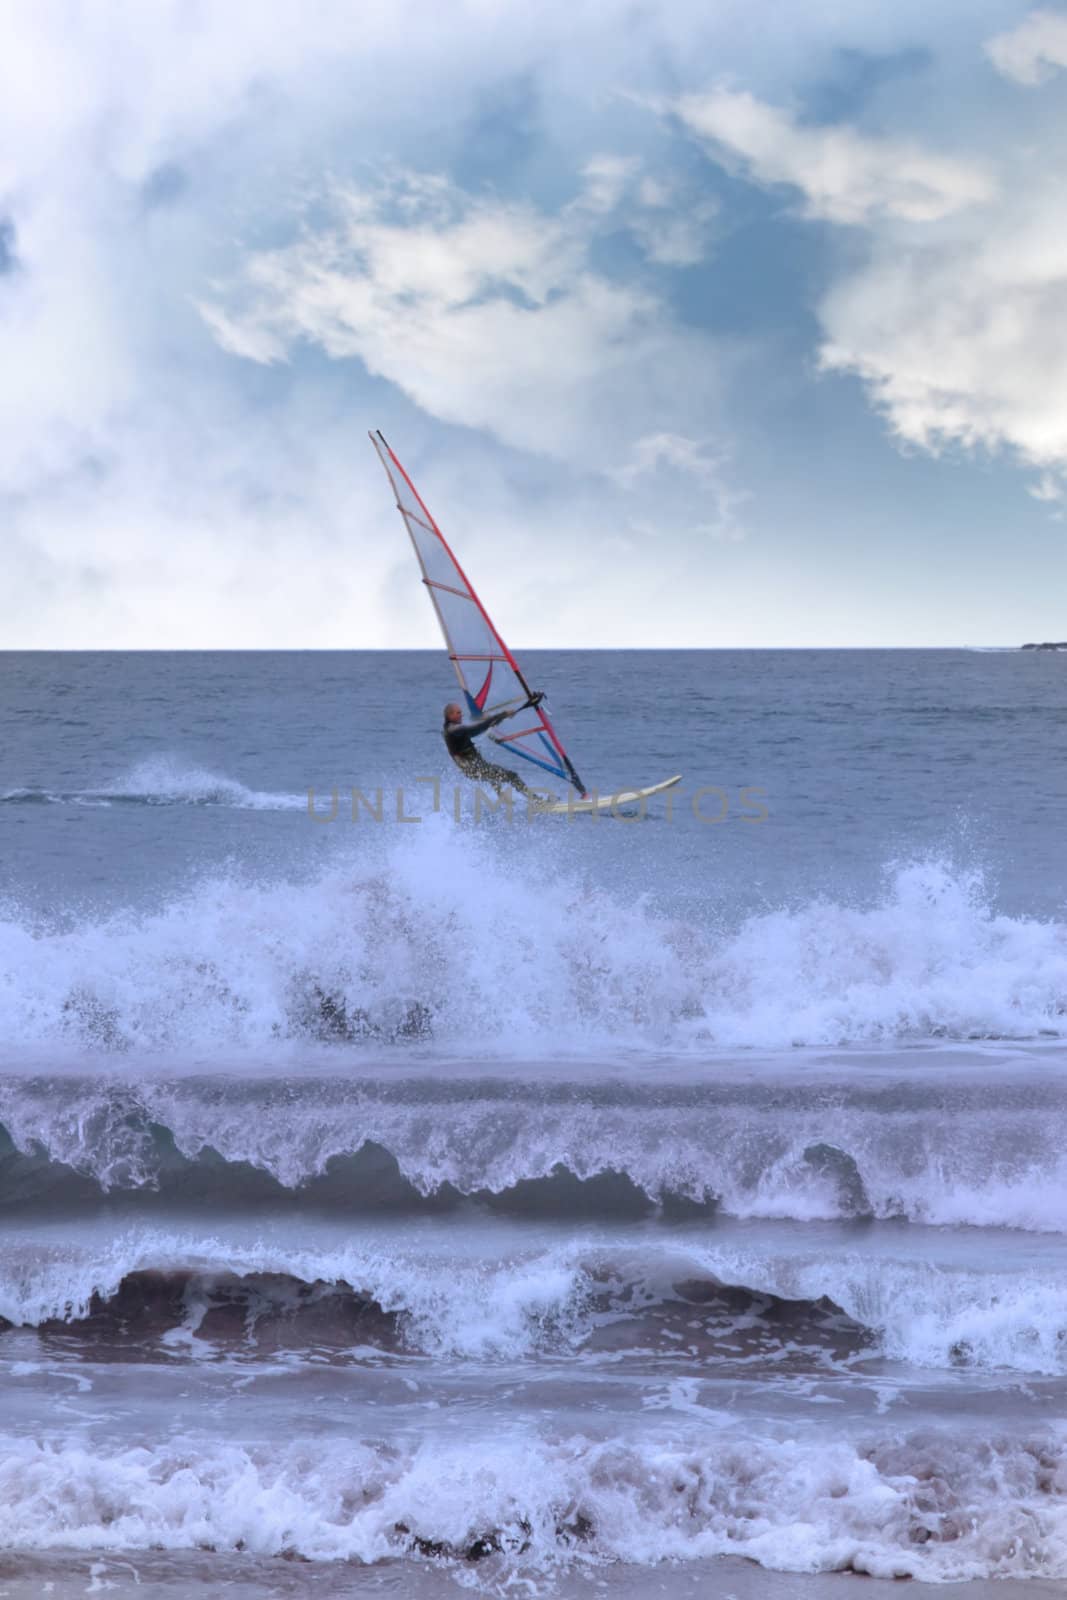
[395, 1208]
[452, 937]
[890, 1506]
[163, 781]
[927, 1137]
[499, 1294]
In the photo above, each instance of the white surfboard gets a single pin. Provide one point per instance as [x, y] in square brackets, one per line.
[606, 802]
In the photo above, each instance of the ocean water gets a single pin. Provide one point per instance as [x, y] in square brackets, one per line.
[394, 1199]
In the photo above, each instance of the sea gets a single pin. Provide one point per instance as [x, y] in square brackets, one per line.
[402, 1195]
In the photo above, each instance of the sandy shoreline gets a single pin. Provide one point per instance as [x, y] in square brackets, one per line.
[195, 1574]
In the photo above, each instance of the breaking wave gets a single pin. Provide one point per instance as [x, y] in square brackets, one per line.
[163, 781]
[444, 938]
[704, 1302]
[986, 1154]
[920, 1505]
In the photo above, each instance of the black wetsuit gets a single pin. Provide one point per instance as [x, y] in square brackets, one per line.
[459, 738]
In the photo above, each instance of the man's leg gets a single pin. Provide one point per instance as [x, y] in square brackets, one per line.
[516, 782]
[483, 771]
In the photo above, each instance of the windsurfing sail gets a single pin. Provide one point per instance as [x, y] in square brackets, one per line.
[488, 673]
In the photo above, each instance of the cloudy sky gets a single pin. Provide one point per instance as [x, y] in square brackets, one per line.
[722, 322]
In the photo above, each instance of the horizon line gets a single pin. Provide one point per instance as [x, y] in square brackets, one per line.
[558, 649]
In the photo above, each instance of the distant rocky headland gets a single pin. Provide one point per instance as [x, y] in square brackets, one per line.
[1047, 645]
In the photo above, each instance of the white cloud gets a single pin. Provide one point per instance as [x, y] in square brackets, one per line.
[484, 312]
[956, 319]
[248, 340]
[662, 462]
[1033, 51]
[154, 490]
[1048, 489]
[606, 181]
[672, 450]
[672, 223]
[961, 334]
[845, 176]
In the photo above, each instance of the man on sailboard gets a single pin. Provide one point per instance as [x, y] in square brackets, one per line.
[486, 669]
[459, 737]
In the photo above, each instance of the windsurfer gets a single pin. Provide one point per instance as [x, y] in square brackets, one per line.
[493, 686]
[459, 737]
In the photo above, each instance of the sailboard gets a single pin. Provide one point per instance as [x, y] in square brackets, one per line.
[607, 802]
[489, 676]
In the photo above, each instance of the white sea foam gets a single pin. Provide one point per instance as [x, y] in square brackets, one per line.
[446, 936]
[927, 1507]
[164, 780]
[468, 1309]
[924, 1147]
[167, 780]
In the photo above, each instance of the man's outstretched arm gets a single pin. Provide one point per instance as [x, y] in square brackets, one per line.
[473, 730]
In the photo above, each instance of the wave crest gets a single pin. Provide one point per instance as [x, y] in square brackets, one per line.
[707, 1302]
[923, 1506]
[444, 939]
